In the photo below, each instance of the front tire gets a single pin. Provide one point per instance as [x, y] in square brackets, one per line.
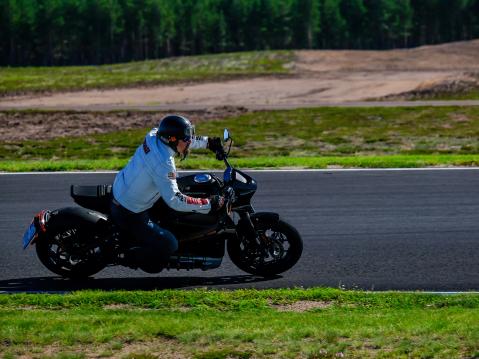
[70, 252]
[280, 247]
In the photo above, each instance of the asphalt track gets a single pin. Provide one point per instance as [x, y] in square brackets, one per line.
[369, 229]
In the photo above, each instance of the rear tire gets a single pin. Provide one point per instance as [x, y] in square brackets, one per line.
[69, 252]
[281, 249]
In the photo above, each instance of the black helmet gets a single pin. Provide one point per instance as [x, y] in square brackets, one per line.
[173, 128]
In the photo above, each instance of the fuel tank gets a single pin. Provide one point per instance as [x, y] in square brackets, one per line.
[189, 225]
[200, 185]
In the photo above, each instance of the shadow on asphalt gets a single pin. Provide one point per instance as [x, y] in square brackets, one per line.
[59, 284]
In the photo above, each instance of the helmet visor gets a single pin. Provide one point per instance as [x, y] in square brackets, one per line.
[189, 133]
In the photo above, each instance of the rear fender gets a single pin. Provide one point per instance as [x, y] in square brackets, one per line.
[37, 228]
[81, 217]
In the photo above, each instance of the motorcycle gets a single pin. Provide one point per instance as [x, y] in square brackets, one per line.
[77, 242]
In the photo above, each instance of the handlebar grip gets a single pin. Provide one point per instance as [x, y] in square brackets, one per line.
[220, 155]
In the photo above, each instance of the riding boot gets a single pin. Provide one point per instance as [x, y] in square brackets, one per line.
[132, 257]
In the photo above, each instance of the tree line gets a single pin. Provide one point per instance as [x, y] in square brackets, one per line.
[81, 32]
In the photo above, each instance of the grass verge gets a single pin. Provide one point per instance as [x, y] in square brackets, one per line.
[279, 162]
[189, 68]
[308, 138]
[308, 323]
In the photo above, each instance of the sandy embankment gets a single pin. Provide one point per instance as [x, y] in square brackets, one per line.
[319, 77]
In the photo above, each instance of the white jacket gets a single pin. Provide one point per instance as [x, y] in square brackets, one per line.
[151, 174]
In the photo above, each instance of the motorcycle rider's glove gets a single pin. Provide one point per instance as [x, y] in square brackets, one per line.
[214, 144]
[217, 202]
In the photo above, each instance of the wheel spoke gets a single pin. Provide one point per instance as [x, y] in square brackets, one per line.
[66, 250]
[274, 247]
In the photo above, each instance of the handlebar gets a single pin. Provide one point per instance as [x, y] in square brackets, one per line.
[222, 155]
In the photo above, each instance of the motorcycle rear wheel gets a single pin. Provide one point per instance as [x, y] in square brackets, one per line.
[64, 251]
[281, 247]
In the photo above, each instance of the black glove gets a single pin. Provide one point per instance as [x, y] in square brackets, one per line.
[217, 202]
[214, 144]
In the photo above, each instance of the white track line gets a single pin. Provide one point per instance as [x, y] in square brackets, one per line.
[362, 291]
[269, 170]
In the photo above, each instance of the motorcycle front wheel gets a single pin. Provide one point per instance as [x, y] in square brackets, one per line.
[276, 249]
[69, 252]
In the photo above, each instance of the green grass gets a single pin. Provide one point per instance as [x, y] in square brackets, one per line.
[244, 323]
[310, 138]
[279, 162]
[188, 68]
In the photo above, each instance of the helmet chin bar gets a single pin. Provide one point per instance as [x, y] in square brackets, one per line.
[185, 153]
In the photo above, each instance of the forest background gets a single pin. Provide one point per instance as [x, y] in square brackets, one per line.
[92, 32]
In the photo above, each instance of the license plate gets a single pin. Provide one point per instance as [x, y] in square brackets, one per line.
[29, 235]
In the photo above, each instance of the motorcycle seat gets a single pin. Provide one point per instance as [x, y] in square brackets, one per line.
[98, 191]
[93, 197]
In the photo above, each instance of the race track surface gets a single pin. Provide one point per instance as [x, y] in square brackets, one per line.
[370, 229]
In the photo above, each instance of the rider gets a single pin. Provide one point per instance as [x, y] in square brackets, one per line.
[149, 175]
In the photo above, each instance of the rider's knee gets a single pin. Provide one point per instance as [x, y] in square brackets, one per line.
[170, 240]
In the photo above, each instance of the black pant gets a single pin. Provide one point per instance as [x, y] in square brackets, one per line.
[153, 244]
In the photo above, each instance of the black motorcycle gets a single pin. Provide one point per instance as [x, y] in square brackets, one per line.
[78, 242]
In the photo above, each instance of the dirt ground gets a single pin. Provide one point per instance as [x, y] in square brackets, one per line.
[156, 348]
[319, 77]
[19, 126]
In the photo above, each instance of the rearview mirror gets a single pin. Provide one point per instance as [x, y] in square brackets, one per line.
[226, 135]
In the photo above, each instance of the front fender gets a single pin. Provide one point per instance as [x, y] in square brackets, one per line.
[259, 220]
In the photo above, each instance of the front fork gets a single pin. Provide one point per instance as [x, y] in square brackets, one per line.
[246, 225]
[257, 239]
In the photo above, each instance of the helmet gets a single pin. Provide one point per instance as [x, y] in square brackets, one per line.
[173, 128]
